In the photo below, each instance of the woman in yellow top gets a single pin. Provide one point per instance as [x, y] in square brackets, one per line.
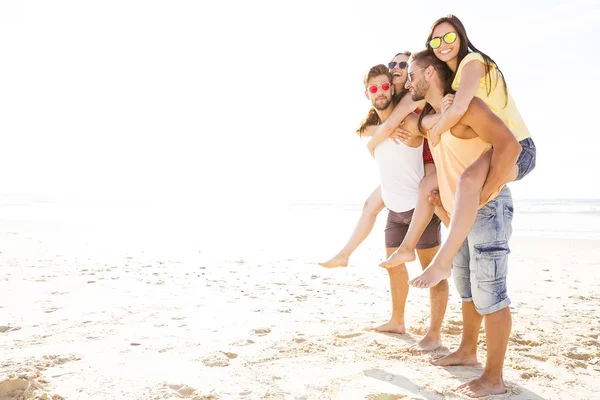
[475, 74]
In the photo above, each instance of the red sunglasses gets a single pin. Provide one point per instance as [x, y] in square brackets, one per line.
[384, 86]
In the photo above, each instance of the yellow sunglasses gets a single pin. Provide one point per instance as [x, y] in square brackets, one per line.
[449, 38]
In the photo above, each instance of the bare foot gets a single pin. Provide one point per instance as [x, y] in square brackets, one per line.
[432, 275]
[337, 261]
[459, 357]
[430, 342]
[399, 257]
[481, 387]
[391, 327]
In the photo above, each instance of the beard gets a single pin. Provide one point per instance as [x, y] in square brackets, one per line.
[419, 91]
[382, 104]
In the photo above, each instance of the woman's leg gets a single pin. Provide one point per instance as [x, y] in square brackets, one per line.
[421, 218]
[373, 205]
[466, 204]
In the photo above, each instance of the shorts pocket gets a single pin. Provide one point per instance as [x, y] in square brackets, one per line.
[492, 261]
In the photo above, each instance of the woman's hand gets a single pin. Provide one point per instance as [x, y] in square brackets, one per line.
[447, 102]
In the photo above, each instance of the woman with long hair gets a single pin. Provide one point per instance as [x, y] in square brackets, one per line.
[474, 74]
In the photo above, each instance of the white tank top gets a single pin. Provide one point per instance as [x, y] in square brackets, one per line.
[401, 169]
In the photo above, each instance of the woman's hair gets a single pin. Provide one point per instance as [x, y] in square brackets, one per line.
[465, 46]
[372, 118]
[426, 58]
[400, 93]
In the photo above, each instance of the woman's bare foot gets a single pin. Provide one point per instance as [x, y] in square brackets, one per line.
[481, 387]
[432, 275]
[337, 261]
[430, 342]
[459, 357]
[399, 257]
[392, 327]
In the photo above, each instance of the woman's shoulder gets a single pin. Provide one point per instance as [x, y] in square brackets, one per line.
[471, 56]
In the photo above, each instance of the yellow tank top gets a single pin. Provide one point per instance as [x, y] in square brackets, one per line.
[452, 156]
[496, 100]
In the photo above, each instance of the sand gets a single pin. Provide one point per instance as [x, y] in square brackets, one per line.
[102, 316]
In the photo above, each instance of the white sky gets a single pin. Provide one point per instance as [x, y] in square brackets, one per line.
[242, 102]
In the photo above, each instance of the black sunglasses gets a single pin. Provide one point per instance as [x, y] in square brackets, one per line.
[401, 64]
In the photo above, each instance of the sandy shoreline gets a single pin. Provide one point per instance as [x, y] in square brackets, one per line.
[81, 322]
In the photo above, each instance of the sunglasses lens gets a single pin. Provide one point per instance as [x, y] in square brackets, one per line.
[385, 87]
[373, 89]
[435, 43]
[402, 65]
[450, 37]
[392, 64]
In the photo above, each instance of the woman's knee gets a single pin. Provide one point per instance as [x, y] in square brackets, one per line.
[373, 206]
[469, 182]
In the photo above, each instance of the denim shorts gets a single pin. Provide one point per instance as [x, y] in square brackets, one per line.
[526, 160]
[481, 264]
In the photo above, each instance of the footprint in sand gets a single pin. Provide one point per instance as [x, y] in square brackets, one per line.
[386, 396]
[5, 329]
[184, 391]
[217, 359]
[576, 354]
[261, 331]
[348, 335]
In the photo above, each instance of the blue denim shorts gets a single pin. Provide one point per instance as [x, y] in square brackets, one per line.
[526, 160]
[481, 264]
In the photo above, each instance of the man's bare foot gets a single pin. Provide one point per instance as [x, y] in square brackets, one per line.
[337, 261]
[399, 257]
[391, 327]
[459, 357]
[481, 387]
[430, 342]
[432, 275]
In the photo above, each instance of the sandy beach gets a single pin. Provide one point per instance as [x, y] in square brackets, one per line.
[113, 315]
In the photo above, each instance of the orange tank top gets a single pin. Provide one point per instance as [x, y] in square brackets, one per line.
[452, 156]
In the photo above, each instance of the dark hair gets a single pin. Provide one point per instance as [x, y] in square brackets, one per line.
[426, 58]
[465, 46]
[400, 94]
[372, 117]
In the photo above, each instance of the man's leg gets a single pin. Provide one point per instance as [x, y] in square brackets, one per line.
[466, 354]
[438, 300]
[489, 245]
[497, 331]
[399, 291]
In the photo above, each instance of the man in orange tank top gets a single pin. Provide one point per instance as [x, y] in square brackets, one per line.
[481, 265]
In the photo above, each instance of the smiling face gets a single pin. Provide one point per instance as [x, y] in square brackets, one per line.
[381, 99]
[418, 84]
[399, 74]
[447, 51]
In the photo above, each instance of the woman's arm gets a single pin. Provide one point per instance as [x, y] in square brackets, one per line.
[368, 131]
[471, 75]
[400, 112]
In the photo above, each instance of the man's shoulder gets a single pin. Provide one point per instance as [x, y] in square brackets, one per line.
[476, 107]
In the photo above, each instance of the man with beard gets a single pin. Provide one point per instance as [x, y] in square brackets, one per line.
[401, 170]
[480, 267]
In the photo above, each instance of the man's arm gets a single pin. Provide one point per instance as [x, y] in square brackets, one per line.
[490, 128]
